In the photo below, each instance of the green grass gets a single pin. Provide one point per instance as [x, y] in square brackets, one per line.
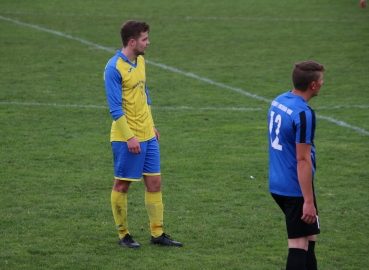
[56, 168]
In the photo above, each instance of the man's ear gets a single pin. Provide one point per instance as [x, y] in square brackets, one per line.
[131, 42]
[312, 85]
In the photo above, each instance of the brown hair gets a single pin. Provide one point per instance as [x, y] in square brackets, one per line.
[132, 29]
[306, 72]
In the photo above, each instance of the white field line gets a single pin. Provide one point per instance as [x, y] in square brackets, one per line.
[186, 18]
[343, 124]
[168, 108]
[182, 108]
[337, 107]
[53, 105]
[188, 74]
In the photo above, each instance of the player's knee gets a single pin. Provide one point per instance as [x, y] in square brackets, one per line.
[153, 183]
[121, 186]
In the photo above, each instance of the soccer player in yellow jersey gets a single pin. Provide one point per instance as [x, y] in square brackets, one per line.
[134, 138]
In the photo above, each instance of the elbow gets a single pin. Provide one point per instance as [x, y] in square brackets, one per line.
[116, 114]
[304, 161]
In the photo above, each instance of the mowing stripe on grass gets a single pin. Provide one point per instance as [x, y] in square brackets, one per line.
[188, 74]
[164, 108]
[190, 18]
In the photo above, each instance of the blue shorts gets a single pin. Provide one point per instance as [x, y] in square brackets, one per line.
[131, 167]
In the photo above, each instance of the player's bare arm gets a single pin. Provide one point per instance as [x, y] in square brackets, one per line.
[305, 177]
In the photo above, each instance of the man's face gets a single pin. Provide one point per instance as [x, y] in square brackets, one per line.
[141, 43]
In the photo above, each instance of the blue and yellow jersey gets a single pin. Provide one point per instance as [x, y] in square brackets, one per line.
[127, 94]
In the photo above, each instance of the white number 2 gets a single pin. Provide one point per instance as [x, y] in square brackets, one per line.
[278, 120]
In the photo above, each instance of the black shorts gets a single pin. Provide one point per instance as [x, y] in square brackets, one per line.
[292, 208]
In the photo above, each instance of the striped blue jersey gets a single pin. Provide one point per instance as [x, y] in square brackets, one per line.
[291, 121]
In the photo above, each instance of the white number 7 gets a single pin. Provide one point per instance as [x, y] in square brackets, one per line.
[278, 121]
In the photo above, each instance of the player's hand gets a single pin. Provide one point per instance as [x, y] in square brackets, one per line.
[134, 145]
[157, 135]
[309, 213]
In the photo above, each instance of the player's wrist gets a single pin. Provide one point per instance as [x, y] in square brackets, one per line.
[124, 128]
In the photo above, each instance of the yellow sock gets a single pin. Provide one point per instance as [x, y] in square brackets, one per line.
[119, 207]
[155, 209]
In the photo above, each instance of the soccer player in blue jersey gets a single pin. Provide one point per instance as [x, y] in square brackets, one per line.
[134, 138]
[292, 163]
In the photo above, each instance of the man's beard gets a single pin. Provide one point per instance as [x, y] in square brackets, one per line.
[138, 52]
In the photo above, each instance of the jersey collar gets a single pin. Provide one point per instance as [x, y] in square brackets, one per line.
[121, 55]
[295, 96]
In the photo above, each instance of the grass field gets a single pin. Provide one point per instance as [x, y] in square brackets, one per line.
[213, 68]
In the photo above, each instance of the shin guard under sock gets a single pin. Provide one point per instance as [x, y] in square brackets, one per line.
[296, 259]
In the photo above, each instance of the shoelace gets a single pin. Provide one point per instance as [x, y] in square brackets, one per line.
[128, 238]
[166, 235]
